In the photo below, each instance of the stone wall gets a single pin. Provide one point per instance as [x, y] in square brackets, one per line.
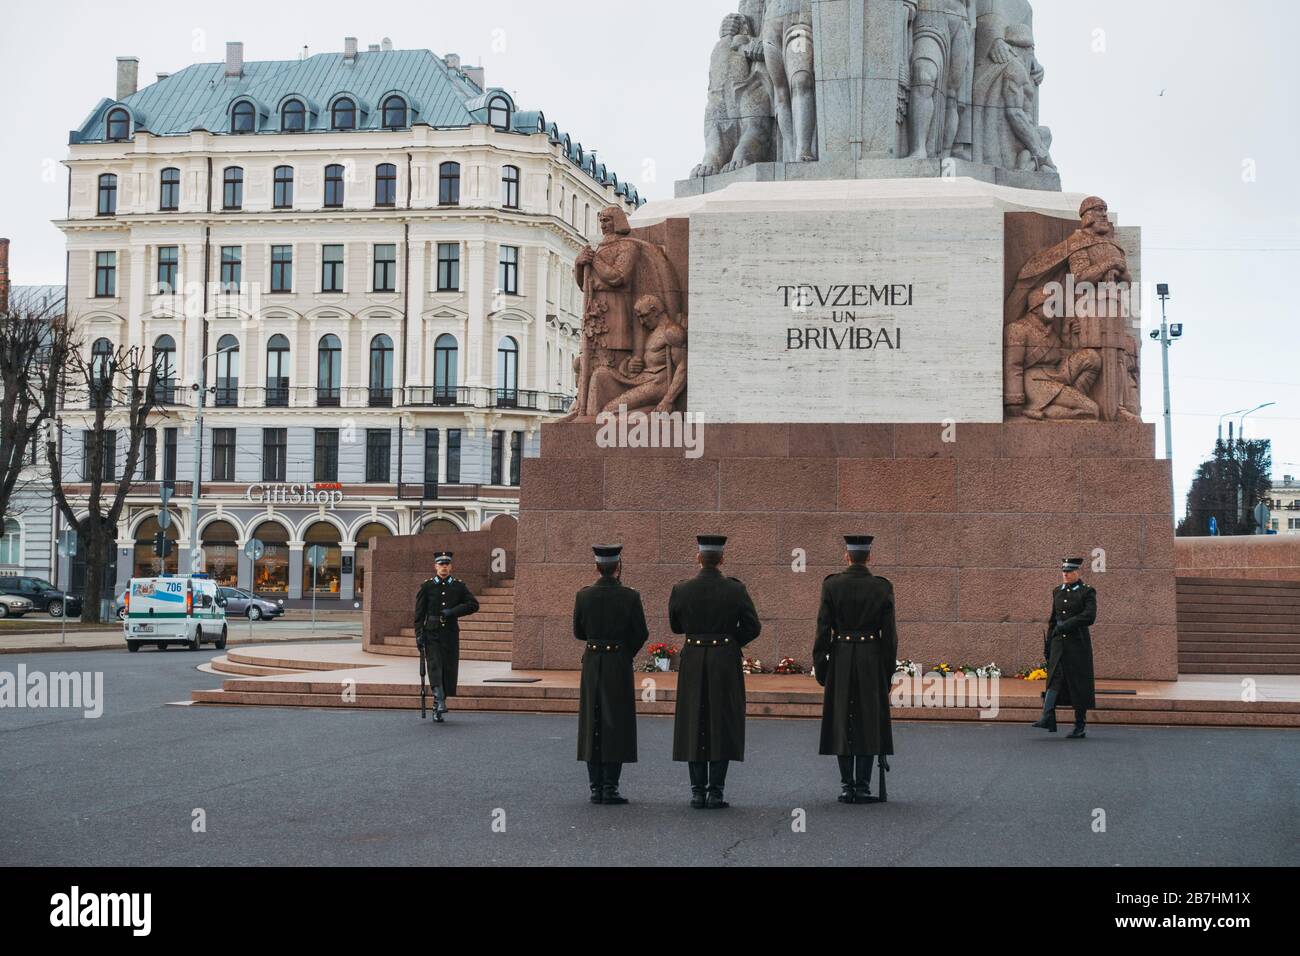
[1258, 557]
[971, 533]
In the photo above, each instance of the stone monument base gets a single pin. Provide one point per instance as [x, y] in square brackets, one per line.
[882, 168]
[971, 531]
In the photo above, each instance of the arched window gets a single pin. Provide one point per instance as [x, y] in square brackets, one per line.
[277, 372]
[243, 118]
[164, 363]
[148, 564]
[271, 570]
[107, 195]
[446, 355]
[119, 125]
[334, 186]
[293, 117]
[282, 194]
[221, 553]
[381, 371]
[227, 371]
[499, 112]
[11, 544]
[364, 537]
[169, 189]
[386, 185]
[329, 372]
[101, 372]
[394, 112]
[508, 372]
[343, 115]
[510, 187]
[326, 577]
[449, 184]
[232, 188]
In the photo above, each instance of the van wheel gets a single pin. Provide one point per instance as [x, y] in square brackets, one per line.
[133, 646]
[221, 641]
[196, 642]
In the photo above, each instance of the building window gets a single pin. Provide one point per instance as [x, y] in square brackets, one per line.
[326, 577]
[101, 374]
[232, 188]
[293, 118]
[453, 456]
[331, 275]
[499, 113]
[394, 112]
[223, 454]
[271, 571]
[343, 115]
[498, 451]
[508, 372]
[449, 184]
[227, 372]
[379, 454]
[149, 460]
[327, 455]
[277, 372]
[508, 275]
[243, 117]
[381, 371]
[334, 186]
[107, 195]
[221, 553]
[386, 185]
[282, 194]
[105, 275]
[449, 267]
[107, 454]
[329, 372]
[169, 189]
[170, 439]
[516, 455]
[11, 544]
[385, 271]
[445, 364]
[232, 259]
[164, 366]
[168, 263]
[282, 268]
[510, 187]
[119, 126]
[431, 463]
[275, 451]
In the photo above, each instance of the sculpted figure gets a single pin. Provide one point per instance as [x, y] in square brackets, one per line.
[1044, 379]
[786, 42]
[1131, 410]
[738, 117]
[1005, 125]
[655, 379]
[942, 51]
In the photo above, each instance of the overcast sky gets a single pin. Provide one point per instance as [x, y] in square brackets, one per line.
[1183, 114]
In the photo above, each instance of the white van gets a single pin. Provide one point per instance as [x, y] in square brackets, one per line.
[185, 609]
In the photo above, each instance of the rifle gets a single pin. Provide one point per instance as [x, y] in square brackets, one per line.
[424, 690]
[884, 769]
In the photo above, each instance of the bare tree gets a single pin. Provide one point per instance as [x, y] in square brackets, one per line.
[119, 387]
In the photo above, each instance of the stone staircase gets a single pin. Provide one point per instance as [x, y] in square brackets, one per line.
[1232, 626]
[485, 636]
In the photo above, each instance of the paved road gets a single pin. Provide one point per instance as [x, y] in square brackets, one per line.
[320, 787]
[296, 626]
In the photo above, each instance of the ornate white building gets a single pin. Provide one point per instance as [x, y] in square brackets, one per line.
[367, 257]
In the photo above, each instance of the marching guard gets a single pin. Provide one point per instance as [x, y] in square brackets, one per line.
[442, 602]
[1068, 649]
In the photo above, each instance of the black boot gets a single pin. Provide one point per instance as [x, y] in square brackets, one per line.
[1048, 720]
[609, 784]
[862, 780]
[595, 779]
[699, 770]
[846, 779]
[717, 783]
[439, 703]
[1080, 725]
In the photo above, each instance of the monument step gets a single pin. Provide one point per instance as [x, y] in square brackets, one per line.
[1219, 631]
[1251, 584]
[1286, 620]
[1256, 669]
[265, 658]
[227, 666]
[1210, 646]
[1243, 661]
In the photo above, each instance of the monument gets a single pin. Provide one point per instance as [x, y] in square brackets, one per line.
[885, 317]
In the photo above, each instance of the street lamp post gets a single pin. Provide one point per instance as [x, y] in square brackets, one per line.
[1241, 426]
[1162, 290]
[1227, 415]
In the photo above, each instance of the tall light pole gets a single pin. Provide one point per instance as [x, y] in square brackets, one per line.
[1227, 415]
[1162, 290]
[1241, 427]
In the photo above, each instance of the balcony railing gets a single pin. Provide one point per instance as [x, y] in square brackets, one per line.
[428, 491]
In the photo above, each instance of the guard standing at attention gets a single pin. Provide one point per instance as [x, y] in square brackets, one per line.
[610, 619]
[442, 602]
[854, 659]
[1068, 649]
[718, 618]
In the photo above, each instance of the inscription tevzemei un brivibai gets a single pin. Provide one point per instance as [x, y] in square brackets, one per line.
[843, 333]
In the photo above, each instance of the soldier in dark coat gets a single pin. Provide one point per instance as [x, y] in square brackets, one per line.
[610, 619]
[442, 601]
[854, 659]
[718, 618]
[1068, 649]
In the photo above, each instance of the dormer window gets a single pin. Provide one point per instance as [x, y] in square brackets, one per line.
[243, 118]
[119, 125]
[394, 111]
[343, 115]
[499, 112]
[293, 118]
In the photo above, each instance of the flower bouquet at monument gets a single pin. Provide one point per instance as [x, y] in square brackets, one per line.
[910, 668]
[789, 665]
[751, 665]
[661, 657]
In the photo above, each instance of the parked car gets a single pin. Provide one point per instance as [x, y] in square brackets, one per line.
[11, 606]
[241, 603]
[119, 604]
[45, 597]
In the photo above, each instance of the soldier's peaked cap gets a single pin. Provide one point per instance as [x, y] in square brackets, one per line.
[607, 552]
[711, 542]
[1071, 564]
[442, 556]
[858, 543]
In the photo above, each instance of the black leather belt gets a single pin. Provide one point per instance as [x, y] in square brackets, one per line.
[708, 640]
[604, 648]
[855, 638]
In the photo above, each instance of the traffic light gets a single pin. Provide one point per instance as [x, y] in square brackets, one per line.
[162, 545]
